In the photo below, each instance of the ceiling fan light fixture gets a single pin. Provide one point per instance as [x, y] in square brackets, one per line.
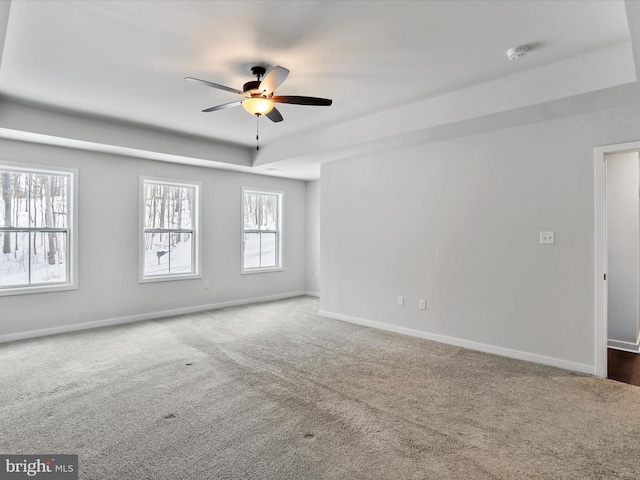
[257, 105]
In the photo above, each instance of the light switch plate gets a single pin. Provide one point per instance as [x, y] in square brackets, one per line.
[547, 238]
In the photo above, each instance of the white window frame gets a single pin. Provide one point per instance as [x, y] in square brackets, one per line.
[196, 215]
[72, 228]
[279, 241]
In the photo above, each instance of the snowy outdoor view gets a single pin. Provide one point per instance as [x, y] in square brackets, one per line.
[168, 229]
[33, 228]
[35, 219]
[261, 230]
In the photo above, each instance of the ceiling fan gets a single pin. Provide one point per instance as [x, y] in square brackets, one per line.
[259, 94]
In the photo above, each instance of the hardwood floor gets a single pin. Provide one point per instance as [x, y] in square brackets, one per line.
[623, 366]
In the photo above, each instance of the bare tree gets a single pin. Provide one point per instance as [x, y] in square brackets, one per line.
[179, 197]
[48, 219]
[33, 204]
[6, 197]
[151, 200]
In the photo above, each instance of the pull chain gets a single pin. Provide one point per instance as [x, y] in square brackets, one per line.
[257, 132]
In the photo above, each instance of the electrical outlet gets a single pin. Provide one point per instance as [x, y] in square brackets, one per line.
[423, 304]
[400, 301]
[547, 238]
[206, 284]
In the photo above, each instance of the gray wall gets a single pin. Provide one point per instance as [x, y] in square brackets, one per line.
[457, 223]
[313, 238]
[108, 199]
[623, 242]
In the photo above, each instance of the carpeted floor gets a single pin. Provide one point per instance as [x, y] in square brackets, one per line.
[274, 391]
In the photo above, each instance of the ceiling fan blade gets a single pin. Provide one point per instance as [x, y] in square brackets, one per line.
[214, 85]
[297, 100]
[274, 115]
[273, 80]
[223, 106]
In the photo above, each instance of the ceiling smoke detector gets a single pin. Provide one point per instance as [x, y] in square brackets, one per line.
[517, 52]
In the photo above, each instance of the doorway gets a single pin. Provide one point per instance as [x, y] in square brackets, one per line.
[617, 243]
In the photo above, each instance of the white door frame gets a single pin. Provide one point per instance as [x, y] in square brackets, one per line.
[600, 157]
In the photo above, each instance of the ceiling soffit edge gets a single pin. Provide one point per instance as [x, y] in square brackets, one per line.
[599, 70]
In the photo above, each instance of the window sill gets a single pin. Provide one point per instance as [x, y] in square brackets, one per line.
[169, 278]
[36, 289]
[262, 270]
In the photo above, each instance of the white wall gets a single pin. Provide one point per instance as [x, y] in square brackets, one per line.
[108, 244]
[313, 238]
[623, 242]
[457, 222]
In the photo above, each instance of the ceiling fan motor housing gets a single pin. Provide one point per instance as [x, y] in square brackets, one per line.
[251, 87]
[258, 71]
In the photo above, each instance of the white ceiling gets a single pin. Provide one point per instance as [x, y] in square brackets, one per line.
[125, 60]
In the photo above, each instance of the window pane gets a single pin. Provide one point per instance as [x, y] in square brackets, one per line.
[155, 206]
[269, 212]
[251, 250]
[156, 254]
[181, 257]
[260, 211]
[252, 211]
[180, 200]
[168, 206]
[48, 201]
[268, 250]
[14, 198]
[48, 257]
[14, 262]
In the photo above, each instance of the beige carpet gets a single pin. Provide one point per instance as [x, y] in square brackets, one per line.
[273, 391]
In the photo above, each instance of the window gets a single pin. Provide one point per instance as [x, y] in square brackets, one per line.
[262, 245]
[170, 240]
[35, 230]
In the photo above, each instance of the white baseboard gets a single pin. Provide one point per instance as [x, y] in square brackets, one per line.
[313, 294]
[140, 317]
[458, 342]
[624, 346]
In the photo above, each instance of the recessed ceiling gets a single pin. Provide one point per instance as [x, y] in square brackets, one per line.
[126, 60]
